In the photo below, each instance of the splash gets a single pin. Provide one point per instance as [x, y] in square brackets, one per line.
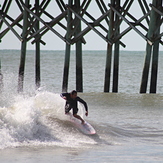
[53, 104]
[38, 120]
[35, 118]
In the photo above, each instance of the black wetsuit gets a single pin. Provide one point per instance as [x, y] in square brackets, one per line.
[73, 103]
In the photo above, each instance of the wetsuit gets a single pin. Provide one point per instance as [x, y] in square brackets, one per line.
[73, 103]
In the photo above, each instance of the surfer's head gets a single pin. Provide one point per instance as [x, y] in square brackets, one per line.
[73, 94]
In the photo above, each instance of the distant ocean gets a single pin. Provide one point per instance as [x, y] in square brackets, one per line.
[33, 127]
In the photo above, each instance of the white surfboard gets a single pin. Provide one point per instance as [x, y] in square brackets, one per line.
[86, 128]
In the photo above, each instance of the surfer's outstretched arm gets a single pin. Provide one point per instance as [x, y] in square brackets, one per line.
[85, 105]
[63, 95]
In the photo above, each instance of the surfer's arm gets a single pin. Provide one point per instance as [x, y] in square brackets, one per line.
[85, 105]
[64, 95]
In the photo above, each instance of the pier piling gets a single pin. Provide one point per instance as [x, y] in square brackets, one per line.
[79, 68]
[76, 20]
[68, 49]
[116, 50]
[1, 78]
[109, 51]
[152, 50]
[23, 49]
[156, 23]
[37, 26]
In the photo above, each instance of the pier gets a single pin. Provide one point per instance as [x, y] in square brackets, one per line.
[34, 20]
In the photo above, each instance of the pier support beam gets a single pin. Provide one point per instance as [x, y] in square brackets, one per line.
[34, 21]
[68, 49]
[116, 51]
[79, 69]
[1, 78]
[23, 49]
[157, 21]
[153, 33]
[154, 70]
[145, 74]
[37, 78]
[109, 52]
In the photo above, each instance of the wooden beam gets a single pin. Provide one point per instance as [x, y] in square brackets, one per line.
[34, 21]
[145, 74]
[5, 8]
[45, 29]
[79, 66]
[11, 28]
[1, 78]
[89, 24]
[67, 53]
[15, 22]
[47, 25]
[155, 27]
[109, 52]
[23, 49]
[116, 52]
[152, 33]
[132, 26]
[37, 60]
[143, 10]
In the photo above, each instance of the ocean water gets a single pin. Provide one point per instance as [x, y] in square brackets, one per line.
[33, 127]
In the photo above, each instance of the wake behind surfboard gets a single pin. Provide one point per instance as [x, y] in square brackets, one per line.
[86, 128]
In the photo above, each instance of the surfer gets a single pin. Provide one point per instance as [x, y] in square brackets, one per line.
[72, 103]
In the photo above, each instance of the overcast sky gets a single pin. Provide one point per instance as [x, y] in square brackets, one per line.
[132, 40]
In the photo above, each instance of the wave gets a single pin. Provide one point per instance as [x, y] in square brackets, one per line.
[38, 120]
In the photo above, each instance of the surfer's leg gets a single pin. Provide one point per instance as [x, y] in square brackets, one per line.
[75, 111]
[67, 108]
[78, 117]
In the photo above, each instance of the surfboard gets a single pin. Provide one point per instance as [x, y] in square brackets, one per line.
[85, 128]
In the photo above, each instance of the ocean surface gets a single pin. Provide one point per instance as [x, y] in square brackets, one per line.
[34, 128]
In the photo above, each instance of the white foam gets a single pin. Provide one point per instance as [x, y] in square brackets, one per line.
[38, 120]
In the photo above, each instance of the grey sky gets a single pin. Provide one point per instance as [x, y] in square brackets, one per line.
[132, 40]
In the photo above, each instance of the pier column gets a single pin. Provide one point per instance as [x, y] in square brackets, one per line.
[116, 51]
[153, 32]
[23, 49]
[156, 21]
[154, 71]
[109, 52]
[68, 49]
[144, 82]
[37, 61]
[1, 78]
[79, 71]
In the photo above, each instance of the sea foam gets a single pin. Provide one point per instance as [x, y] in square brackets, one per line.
[38, 120]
